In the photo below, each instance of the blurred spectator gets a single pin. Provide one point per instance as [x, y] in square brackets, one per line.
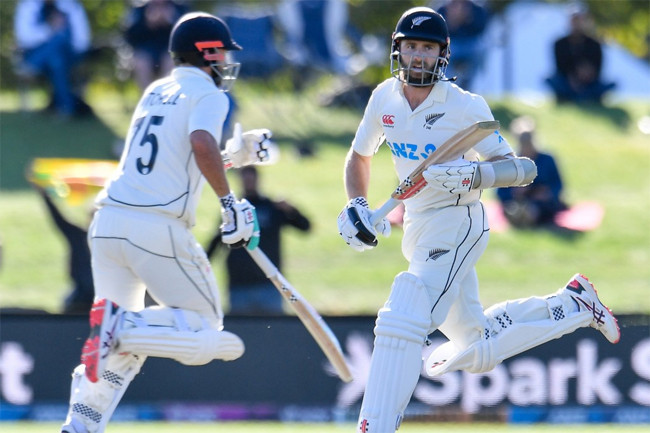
[256, 30]
[253, 27]
[52, 36]
[148, 26]
[537, 203]
[249, 289]
[316, 33]
[578, 63]
[466, 21]
[80, 298]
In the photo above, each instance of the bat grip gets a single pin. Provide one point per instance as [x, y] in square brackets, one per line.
[384, 210]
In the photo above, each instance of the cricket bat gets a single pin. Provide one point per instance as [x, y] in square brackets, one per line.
[307, 314]
[451, 149]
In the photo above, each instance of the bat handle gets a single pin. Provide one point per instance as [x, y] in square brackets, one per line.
[265, 264]
[384, 210]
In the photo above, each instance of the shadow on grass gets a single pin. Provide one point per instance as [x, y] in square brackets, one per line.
[616, 116]
[28, 135]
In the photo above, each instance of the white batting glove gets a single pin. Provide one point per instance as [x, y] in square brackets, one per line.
[251, 147]
[454, 179]
[355, 228]
[239, 227]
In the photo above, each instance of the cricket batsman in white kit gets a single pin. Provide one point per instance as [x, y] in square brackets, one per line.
[445, 232]
[140, 237]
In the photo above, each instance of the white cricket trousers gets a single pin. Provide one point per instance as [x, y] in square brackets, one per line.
[133, 251]
[440, 288]
[442, 247]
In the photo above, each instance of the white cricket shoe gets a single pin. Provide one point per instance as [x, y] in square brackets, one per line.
[73, 426]
[585, 295]
[105, 321]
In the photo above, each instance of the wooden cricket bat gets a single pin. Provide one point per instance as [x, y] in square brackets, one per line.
[451, 149]
[307, 314]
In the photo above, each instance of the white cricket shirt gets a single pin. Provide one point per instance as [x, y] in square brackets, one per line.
[412, 135]
[157, 171]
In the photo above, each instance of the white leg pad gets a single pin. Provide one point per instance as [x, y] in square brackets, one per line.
[515, 326]
[401, 329]
[93, 404]
[177, 334]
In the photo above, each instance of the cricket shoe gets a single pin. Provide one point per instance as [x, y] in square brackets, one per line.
[73, 426]
[105, 321]
[585, 295]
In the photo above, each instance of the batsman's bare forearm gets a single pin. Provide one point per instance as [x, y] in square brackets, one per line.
[208, 159]
[356, 174]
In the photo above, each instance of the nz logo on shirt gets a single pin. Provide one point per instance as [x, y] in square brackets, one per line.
[430, 119]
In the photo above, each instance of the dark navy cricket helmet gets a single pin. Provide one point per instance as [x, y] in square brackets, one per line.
[422, 24]
[197, 38]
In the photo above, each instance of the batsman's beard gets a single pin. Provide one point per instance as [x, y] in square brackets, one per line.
[421, 77]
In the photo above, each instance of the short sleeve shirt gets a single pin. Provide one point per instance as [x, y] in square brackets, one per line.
[412, 135]
[158, 171]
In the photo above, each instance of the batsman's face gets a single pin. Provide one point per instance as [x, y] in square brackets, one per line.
[419, 57]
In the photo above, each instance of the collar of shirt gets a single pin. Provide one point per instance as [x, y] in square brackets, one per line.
[187, 71]
[439, 92]
[437, 95]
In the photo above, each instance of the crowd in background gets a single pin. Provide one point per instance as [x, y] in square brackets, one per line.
[54, 42]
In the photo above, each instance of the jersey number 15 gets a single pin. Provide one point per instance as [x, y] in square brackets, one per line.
[145, 166]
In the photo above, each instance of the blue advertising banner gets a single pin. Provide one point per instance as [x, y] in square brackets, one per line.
[283, 375]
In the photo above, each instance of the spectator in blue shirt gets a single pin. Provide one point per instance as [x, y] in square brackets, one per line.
[52, 36]
[466, 21]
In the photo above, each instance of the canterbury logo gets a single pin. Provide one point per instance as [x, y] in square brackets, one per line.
[419, 20]
[436, 253]
[430, 119]
[387, 119]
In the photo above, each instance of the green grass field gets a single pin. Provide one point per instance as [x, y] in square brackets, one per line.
[264, 427]
[602, 154]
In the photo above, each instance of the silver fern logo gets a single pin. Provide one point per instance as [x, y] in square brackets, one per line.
[419, 20]
[430, 119]
[436, 253]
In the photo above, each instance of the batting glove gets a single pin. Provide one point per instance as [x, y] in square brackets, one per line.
[239, 227]
[251, 147]
[355, 228]
[454, 179]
